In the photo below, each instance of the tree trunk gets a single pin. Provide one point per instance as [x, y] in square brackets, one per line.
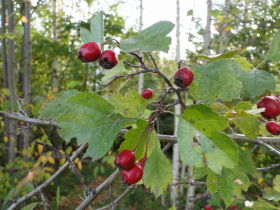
[223, 39]
[27, 72]
[4, 43]
[55, 63]
[141, 76]
[191, 190]
[175, 157]
[12, 136]
[207, 34]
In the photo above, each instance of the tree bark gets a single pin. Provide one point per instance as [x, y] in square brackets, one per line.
[141, 76]
[12, 136]
[191, 190]
[223, 39]
[55, 63]
[175, 154]
[27, 72]
[207, 34]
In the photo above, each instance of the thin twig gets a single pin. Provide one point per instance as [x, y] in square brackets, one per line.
[48, 181]
[189, 182]
[74, 169]
[269, 167]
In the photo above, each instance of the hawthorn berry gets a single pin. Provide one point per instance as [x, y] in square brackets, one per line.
[147, 93]
[271, 105]
[183, 77]
[125, 159]
[108, 59]
[273, 128]
[233, 207]
[89, 52]
[132, 175]
[208, 207]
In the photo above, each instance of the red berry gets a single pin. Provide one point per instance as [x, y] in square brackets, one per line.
[183, 77]
[147, 93]
[89, 52]
[108, 59]
[142, 162]
[271, 105]
[273, 128]
[133, 175]
[208, 207]
[233, 207]
[125, 159]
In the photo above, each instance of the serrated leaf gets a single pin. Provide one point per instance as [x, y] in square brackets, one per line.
[247, 123]
[204, 119]
[220, 151]
[150, 39]
[86, 35]
[190, 152]
[93, 121]
[123, 104]
[274, 49]
[229, 54]
[261, 204]
[157, 172]
[97, 27]
[139, 134]
[215, 80]
[58, 106]
[257, 82]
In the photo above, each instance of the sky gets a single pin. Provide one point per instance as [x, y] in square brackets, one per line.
[153, 11]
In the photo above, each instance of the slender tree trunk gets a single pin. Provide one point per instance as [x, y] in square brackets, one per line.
[223, 39]
[175, 157]
[4, 44]
[207, 34]
[191, 190]
[141, 76]
[12, 136]
[55, 63]
[27, 71]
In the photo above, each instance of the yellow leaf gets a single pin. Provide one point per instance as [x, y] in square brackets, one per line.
[79, 165]
[40, 148]
[24, 19]
[228, 28]
[43, 158]
[260, 180]
[5, 138]
[51, 160]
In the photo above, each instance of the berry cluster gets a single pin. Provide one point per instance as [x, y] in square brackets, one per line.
[272, 111]
[131, 172]
[91, 51]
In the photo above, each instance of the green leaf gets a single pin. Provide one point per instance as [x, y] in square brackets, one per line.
[215, 80]
[190, 152]
[86, 35]
[109, 75]
[204, 119]
[58, 106]
[246, 163]
[261, 204]
[97, 27]
[257, 82]
[220, 151]
[212, 182]
[190, 12]
[242, 61]
[140, 133]
[93, 121]
[271, 195]
[247, 123]
[243, 105]
[276, 183]
[31, 206]
[216, 12]
[274, 49]
[123, 104]
[229, 54]
[157, 172]
[150, 39]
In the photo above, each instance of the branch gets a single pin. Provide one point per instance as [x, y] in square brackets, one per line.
[48, 181]
[269, 167]
[20, 117]
[98, 190]
[189, 182]
[271, 149]
[199, 196]
[113, 204]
